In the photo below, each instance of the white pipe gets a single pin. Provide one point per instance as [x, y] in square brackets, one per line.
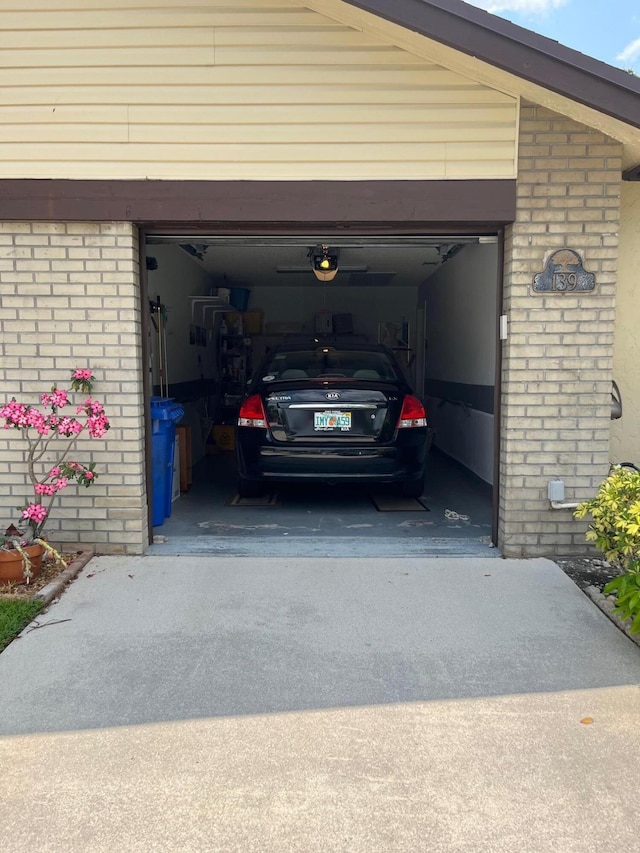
[160, 352]
[166, 362]
[564, 504]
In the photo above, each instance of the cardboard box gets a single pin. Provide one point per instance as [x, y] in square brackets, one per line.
[186, 463]
[249, 321]
[252, 322]
[224, 436]
[232, 319]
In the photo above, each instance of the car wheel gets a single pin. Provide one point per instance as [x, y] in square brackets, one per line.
[412, 488]
[248, 488]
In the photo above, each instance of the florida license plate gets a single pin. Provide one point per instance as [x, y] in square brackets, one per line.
[329, 421]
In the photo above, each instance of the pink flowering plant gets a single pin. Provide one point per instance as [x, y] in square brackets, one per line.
[45, 430]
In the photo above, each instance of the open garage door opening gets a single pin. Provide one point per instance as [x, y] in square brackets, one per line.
[219, 306]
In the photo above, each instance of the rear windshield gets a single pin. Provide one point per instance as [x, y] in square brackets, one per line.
[322, 361]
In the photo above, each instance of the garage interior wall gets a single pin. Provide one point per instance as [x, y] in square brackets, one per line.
[557, 363]
[283, 312]
[191, 371]
[71, 298]
[175, 278]
[460, 332]
[625, 432]
[368, 306]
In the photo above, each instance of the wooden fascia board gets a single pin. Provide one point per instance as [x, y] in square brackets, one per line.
[288, 205]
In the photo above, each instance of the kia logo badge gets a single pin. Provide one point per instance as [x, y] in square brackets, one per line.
[333, 395]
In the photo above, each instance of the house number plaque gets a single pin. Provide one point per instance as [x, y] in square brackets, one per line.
[564, 273]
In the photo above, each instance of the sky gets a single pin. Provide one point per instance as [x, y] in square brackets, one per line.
[605, 29]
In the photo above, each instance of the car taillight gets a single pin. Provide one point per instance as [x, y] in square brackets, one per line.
[412, 414]
[252, 413]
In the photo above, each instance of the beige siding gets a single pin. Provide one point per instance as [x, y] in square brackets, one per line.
[490, 75]
[214, 89]
[625, 433]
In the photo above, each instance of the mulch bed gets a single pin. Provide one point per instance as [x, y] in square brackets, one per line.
[49, 571]
[587, 571]
[591, 576]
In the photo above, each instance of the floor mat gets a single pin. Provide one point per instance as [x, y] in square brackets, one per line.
[268, 499]
[396, 503]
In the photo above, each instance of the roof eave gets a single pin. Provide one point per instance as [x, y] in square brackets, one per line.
[518, 51]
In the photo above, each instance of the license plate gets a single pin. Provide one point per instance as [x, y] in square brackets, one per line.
[329, 421]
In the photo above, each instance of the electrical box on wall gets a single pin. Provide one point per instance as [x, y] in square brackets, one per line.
[555, 490]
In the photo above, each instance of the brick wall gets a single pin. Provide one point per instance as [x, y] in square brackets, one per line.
[70, 297]
[557, 366]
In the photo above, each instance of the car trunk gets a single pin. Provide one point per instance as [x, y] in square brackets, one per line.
[333, 413]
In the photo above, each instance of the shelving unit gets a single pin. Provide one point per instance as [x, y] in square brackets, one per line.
[235, 367]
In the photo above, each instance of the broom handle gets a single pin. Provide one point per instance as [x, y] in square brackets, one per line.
[160, 356]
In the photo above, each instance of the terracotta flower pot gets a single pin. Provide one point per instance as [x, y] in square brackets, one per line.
[11, 568]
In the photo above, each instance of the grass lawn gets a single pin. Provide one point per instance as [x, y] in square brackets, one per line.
[15, 613]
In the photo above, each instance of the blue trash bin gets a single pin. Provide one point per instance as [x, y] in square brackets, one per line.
[165, 414]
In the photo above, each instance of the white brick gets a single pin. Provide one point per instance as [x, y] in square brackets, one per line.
[565, 337]
[53, 319]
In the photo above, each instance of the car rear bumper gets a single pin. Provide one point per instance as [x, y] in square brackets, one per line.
[404, 460]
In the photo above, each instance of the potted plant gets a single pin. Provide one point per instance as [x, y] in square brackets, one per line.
[49, 435]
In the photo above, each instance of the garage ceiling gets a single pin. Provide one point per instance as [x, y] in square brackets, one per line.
[283, 262]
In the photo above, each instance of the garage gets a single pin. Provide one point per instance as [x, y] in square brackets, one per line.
[218, 304]
[160, 164]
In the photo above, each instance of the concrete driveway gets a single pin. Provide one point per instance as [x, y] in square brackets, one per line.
[220, 704]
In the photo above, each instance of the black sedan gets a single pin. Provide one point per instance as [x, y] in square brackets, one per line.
[331, 414]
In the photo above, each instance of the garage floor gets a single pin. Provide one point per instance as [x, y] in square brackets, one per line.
[452, 518]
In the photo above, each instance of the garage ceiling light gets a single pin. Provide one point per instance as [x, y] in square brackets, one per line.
[309, 269]
[323, 262]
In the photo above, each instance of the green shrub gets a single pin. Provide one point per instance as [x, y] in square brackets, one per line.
[615, 530]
